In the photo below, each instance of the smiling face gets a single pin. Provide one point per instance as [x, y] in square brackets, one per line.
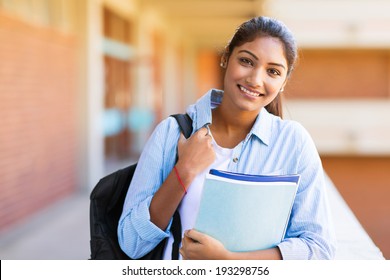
[255, 74]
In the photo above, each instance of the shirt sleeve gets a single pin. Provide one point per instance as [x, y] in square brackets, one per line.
[137, 235]
[310, 233]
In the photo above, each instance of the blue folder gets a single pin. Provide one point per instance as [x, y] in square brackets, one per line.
[246, 212]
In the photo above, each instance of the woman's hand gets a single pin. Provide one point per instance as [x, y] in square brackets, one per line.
[195, 154]
[199, 246]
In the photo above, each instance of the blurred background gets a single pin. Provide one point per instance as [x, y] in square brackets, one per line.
[84, 82]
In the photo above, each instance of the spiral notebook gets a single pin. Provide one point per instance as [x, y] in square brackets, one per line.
[246, 212]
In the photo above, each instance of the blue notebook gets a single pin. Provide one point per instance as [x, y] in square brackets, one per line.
[246, 212]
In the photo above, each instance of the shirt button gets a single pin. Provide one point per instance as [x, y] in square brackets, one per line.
[235, 160]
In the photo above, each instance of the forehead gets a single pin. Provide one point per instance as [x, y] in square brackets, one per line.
[268, 48]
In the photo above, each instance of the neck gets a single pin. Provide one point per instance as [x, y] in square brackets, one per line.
[232, 118]
[229, 129]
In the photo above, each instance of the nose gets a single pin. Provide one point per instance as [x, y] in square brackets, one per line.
[256, 78]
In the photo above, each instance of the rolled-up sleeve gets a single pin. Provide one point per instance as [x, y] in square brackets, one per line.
[136, 241]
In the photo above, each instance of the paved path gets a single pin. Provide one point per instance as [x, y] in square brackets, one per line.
[59, 232]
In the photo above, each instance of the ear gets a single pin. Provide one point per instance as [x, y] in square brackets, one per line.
[223, 60]
[284, 84]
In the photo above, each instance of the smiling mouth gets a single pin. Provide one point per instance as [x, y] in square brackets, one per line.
[249, 92]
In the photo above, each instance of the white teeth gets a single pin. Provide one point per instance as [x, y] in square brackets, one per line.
[249, 92]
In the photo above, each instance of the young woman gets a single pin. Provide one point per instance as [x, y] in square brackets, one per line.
[246, 134]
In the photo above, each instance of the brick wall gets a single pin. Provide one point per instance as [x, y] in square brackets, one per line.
[37, 118]
[341, 74]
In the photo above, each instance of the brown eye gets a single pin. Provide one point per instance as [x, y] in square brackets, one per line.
[246, 61]
[274, 72]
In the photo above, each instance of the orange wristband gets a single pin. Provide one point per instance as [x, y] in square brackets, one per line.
[180, 181]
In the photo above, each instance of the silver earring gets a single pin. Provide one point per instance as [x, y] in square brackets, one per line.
[222, 65]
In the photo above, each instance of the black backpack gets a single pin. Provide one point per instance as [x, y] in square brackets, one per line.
[106, 205]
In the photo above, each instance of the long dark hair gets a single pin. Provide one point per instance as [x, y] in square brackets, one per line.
[262, 27]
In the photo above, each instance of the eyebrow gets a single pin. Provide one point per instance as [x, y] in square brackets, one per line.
[255, 57]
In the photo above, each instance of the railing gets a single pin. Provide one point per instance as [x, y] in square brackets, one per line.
[353, 241]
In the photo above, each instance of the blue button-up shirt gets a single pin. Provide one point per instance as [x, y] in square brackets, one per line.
[273, 146]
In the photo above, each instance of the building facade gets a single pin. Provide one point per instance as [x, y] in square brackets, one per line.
[83, 83]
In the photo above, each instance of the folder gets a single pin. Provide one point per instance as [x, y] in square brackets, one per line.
[246, 212]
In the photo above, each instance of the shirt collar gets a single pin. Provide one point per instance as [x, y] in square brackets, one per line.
[201, 115]
[200, 112]
[263, 126]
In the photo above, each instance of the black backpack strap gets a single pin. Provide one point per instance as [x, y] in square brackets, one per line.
[185, 124]
[176, 232]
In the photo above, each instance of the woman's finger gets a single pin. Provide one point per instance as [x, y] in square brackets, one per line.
[194, 235]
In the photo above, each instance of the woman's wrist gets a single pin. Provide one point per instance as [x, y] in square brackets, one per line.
[180, 180]
[184, 175]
